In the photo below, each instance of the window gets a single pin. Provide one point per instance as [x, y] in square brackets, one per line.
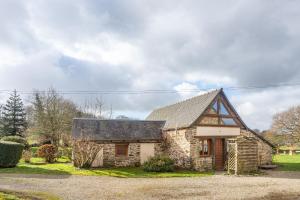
[228, 121]
[215, 106]
[205, 147]
[223, 110]
[121, 149]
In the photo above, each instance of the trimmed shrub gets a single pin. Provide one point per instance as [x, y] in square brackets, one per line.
[10, 153]
[159, 164]
[17, 139]
[47, 151]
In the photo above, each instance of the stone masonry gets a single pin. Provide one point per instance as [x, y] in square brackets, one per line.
[183, 147]
[178, 146]
[132, 159]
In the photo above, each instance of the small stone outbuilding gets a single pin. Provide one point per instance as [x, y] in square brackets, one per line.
[195, 133]
[124, 142]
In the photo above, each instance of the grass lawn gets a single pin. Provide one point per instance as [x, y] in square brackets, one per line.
[63, 167]
[287, 162]
[12, 195]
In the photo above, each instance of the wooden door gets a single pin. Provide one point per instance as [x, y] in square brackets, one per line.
[219, 154]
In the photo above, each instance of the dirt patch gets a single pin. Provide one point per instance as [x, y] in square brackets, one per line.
[214, 187]
[279, 196]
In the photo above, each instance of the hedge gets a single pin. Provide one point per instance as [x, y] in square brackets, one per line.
[10, 153]
[17, 139]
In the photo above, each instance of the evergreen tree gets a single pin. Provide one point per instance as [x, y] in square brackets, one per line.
[1, 123]
[14, 116]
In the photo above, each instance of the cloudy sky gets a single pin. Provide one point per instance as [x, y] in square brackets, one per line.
[155, 45]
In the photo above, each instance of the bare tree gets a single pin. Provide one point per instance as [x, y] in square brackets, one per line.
[288, 123]
[53, 116]
[95, 108]
[85, 152]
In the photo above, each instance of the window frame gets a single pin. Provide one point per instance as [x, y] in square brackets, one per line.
[117, 150]
[218, 103]
[209, 147]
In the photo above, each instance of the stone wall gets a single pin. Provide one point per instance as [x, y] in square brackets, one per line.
[203, 163]
[132, 159]
[111, 160]
[199, 163]
[183, 147]
[265, 151]
[178, 146]
[109, 155]
[158, 149]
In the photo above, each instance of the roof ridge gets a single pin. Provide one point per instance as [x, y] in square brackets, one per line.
[124, 120]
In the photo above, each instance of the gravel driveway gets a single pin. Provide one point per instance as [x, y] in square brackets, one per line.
[275, 185]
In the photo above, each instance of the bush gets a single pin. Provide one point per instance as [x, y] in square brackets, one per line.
[159, 164]
[10, 153]
[85, 152]
[27, 155]
[34, 151]
[65, 152]
[47, 151]
[17, 139]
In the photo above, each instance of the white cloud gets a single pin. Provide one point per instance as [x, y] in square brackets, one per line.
[208, 78]
[187, 90]
[258, 107]
[10, 56]
[246, 109]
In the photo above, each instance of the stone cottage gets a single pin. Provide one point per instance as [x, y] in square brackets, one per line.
[124, 142]
[197, 133]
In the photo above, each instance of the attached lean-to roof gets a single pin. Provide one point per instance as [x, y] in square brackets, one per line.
[183, 114]
[116, 130]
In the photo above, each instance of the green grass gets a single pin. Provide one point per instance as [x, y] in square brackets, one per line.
[13, 195]
[5, 196]
[287, 162]
[63, 167]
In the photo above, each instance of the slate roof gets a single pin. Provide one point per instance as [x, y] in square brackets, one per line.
[184, 113]
[95, 129]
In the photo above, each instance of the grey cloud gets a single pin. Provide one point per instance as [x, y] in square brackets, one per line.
[251, 42]
[254, 44]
